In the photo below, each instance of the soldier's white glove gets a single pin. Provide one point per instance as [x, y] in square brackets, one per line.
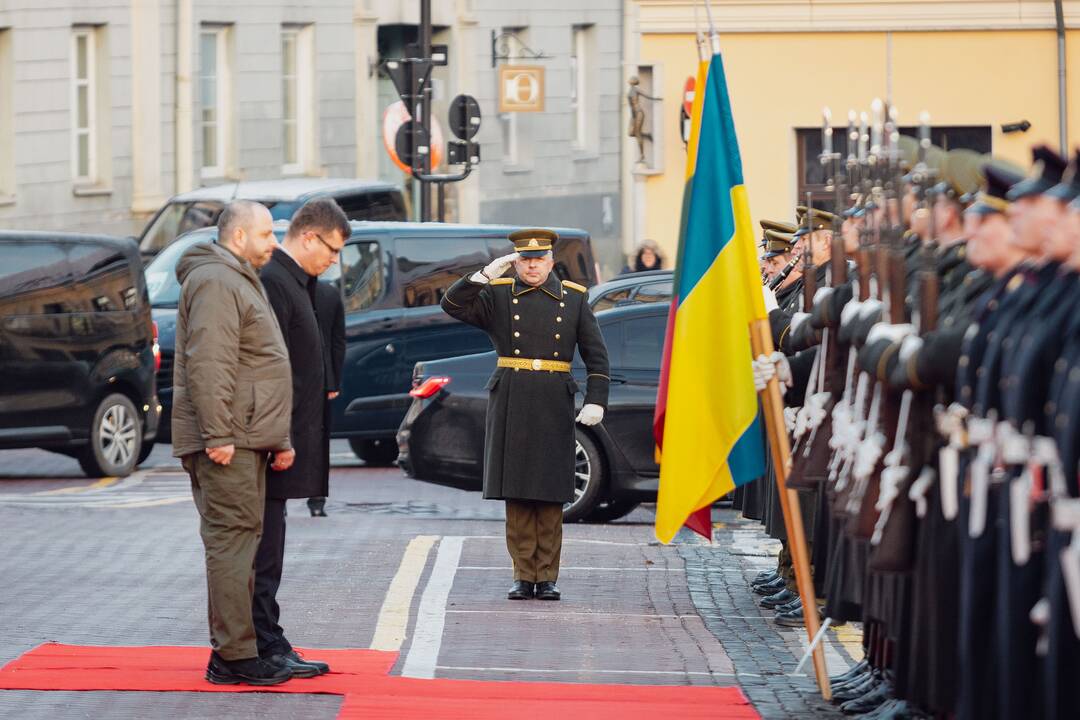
[494, 269]
[770, 299]
[796, 320]
[894, 333]
[591, 414]
[766, 367]
[911, 345]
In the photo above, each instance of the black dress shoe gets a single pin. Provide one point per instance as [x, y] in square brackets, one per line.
[857, 669]
[547, 590]
[870, 701]
[248, 671]
[789, 606]
[765, 576]
[794, 618]
[780, 598]
[857, 690]
[852, 681]
[299, 668]
[522, 590]
[772, 587]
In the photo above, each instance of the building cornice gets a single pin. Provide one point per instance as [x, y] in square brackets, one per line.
[745, 16]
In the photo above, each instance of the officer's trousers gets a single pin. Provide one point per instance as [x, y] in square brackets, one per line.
[534, 539]
[230, 500]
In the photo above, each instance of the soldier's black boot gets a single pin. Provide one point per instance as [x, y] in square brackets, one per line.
[522, 590]
[248, 671]
[547, 590]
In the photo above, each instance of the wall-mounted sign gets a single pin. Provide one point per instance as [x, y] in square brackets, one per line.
[521, 88]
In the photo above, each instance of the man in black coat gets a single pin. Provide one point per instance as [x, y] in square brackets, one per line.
[313, 243]
[330, 311]
[535, 322]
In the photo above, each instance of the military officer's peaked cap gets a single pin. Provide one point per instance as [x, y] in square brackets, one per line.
[777, 243]
[1048, 169]
[992, 199]
[1068, 190]
[819, 220]
[777, 226]
[961, 174]
[533, 242]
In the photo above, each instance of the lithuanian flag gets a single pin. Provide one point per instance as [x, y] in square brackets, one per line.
[706, 423]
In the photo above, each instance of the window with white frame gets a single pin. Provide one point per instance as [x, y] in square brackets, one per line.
[7, 115]
[214, 97]
[297, 98]
[582, 70]
[84, 104]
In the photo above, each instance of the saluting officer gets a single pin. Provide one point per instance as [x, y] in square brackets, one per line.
[535, 321]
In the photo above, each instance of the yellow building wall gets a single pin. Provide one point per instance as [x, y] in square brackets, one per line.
[781, 81]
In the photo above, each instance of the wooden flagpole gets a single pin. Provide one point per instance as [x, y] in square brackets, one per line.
[776, 429]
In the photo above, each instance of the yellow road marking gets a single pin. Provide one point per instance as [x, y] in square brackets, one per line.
[102, 483]
[851, 639]
[394, 615]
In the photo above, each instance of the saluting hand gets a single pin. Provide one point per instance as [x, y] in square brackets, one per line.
[283, 460]
[222, 455]
[495, 268]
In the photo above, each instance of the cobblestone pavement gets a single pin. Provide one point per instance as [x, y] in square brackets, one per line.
[399, 564]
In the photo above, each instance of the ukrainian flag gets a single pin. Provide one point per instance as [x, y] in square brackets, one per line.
[706, 423]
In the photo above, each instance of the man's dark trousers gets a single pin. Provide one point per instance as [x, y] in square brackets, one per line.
[269, 562]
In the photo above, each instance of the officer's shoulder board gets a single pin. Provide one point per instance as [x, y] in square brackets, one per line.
[503, 281]
[574, 286]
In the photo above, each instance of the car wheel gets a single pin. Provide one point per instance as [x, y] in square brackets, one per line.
[115, 439]
[612, 511]
[375, 453]
[589, 478]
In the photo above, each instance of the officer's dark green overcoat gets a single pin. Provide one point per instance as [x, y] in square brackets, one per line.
[529, 439]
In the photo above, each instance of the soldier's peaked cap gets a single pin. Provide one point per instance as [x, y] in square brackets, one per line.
[533, 242]
[1047, 171]
[777, 243]
[783, 227]
[819, 220]
[992, 199]
[1068, 190]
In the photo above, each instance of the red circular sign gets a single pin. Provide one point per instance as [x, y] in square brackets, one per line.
[688, 95]
[394, 117]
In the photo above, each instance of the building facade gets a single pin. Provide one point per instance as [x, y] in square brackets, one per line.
[109, 108]
[974, 65]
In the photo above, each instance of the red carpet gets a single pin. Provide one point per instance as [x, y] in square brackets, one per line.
[370, 692]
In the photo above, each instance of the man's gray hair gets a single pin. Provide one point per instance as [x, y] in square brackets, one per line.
[236, 214]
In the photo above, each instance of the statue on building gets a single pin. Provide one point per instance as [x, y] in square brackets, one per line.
[637, 115]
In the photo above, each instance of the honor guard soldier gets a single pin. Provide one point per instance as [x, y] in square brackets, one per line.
[535, 321]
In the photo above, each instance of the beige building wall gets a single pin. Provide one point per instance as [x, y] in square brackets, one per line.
[779, 81]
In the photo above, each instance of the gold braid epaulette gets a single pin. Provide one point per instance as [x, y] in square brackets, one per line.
[575, 286]
[502, 281]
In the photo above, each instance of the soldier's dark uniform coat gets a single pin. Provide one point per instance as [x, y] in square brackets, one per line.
[529, 438]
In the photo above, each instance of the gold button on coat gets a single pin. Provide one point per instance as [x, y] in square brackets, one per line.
[558, 319]
[517, 334]
[516, 351]
[517, 317]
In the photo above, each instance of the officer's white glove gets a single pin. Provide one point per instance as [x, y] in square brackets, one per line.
[590, 414]
[494, 269]
[767, 367]
[894, 333]
[770, 299]
[796, 320]
[910, 346]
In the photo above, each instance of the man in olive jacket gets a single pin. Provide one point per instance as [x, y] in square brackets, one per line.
[232, 395]
[535, 322]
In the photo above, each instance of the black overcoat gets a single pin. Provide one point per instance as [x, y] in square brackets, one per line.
[529, 438]
[292, 295]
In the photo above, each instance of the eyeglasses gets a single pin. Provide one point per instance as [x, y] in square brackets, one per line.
[334, 251]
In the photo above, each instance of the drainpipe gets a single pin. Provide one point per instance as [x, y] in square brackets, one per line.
[184, 147]
[1063, 108]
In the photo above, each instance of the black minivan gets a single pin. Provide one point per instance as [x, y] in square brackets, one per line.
[392, 276]
[199, 208]
[78, 349]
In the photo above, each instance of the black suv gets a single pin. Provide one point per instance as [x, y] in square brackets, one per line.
[78, 350]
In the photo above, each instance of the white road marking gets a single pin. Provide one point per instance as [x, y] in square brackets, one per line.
[393, 622]
[431, 616]
[509, 568]
[591, 671]
[560, 613]
[143, 488]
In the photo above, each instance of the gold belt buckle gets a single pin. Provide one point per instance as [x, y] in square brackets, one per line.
[537, 364]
